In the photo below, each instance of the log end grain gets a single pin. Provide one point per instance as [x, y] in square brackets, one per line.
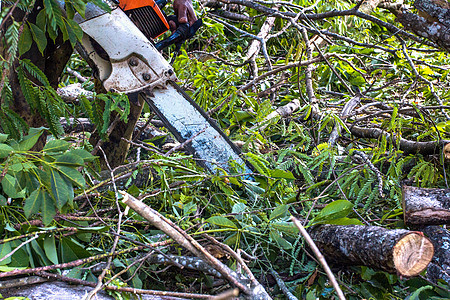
[412, 254]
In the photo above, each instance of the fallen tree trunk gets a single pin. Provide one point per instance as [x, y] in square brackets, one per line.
[423, 206]
[432, 22]
[407, 146]
[400, 251]
[439, 268]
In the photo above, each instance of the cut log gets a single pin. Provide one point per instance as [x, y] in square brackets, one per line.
[400, 251]
[439, 268]
[423, 206]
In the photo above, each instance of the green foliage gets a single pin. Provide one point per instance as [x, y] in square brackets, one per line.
[43, 181]
[297, 171]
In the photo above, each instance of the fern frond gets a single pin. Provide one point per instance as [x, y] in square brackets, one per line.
[371, 198]
[35, 71]
[12, 39]
[106, 116]
[19, 124]
[364, 190]
[305, 171]
[27, 89]
[7, 95]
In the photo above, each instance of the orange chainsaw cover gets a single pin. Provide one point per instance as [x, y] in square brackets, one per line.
[127, 5]
[132, 4]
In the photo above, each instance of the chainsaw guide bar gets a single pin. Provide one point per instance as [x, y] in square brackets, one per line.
[127, 61]
[186, 120]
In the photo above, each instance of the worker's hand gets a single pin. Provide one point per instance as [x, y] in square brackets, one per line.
[184, 11]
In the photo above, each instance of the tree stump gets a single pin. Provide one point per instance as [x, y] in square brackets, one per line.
[423, 206]
[400, 251]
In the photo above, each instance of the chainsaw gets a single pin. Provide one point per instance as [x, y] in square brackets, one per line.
[119, 45]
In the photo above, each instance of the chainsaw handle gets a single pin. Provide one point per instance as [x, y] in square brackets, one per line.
[184, 32]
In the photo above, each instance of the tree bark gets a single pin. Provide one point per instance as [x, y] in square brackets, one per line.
[51, 62]
[423, 206]
[400, 251]
[432, 22]
[439, 268]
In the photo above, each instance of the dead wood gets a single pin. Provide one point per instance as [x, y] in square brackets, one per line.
[432, 22]
[424, 206]
[439, 268]
[400, 251]
[72, 92]
[347, 110]
[407, 146]
[181, 237]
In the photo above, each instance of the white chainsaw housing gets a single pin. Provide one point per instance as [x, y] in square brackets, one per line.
[134, 63]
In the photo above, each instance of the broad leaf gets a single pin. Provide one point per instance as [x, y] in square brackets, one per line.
[282, 174]
[48, 209]
[285, 227]
[39, 37]
[5, 249]
[221, 222]
[60, 189]
[276, 237]
[335, 210]
[9, 186]
[25, 41]
[72, 174]
[85, 155]
[5, 150]
[279, 211]
[70, 159]
[3, 137]
[30, 140]
[33, 203]
[56, 146]
[50, 249]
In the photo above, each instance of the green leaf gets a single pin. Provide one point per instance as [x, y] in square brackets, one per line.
[39, 37]
[30, 140]
[102, 5]
[221, 222]
[85, 155]
[56, 146]
[416, 294]
[50, 249]
[60, 189]
[282, 243]
[79, 5]
[3, 137]
[33, 202]
[281, 174]
[231, 240]
[9, 186]
[5, 150]
[70, 159]
[279, 211]
[25, 41]
[72, 174]
[335, 210]
[341, 221]
[75, 32]
[5, 249]
[20, 258]
[40, 253]
[285, 227]
[71, 250]
[48, 209]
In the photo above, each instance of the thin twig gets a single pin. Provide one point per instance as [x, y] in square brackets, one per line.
[320, 257]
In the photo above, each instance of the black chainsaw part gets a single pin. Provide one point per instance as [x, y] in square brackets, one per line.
[182, 33]
[147, 20]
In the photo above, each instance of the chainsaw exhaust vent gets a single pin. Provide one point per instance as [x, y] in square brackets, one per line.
[147, 16]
